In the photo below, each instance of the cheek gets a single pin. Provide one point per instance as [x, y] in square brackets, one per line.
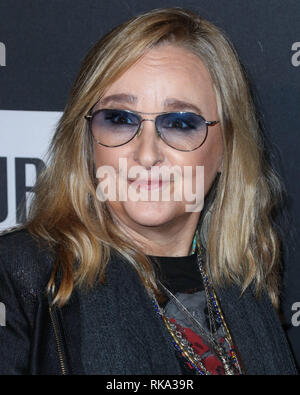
[210, 157]
[109, 168]
[104, 156]
[101, 156]
[106, 164]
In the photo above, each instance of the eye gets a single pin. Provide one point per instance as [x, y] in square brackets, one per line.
[121, 118]
[178, 123]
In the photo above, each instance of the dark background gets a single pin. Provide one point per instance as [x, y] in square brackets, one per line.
[46, 40]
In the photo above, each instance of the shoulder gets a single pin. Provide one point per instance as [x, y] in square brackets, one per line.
[25, 262]
[256, 331]
[247, 305]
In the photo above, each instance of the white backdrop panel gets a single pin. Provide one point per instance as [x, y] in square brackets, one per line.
[23, 134]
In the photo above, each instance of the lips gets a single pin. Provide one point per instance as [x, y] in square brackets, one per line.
[148, 184]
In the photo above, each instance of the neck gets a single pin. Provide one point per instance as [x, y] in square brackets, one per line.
[169, 239]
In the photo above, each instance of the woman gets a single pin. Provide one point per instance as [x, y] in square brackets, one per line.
[95, 283]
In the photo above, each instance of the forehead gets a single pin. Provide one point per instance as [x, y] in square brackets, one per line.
[174, 58]
[163, 73]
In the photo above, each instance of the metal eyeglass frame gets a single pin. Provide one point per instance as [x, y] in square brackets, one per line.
[89, 118]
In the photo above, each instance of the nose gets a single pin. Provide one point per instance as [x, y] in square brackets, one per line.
[148, 150]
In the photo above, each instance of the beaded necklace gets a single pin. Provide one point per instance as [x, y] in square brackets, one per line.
[229, 361]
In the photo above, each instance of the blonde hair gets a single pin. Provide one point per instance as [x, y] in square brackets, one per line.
[237, 230]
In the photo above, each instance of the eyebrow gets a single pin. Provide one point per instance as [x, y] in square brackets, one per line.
[118, 98]
[169, 104]
[180, 105]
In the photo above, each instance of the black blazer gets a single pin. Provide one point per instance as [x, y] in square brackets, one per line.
[113, 328]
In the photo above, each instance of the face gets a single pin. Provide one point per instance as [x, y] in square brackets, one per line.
[167, 78]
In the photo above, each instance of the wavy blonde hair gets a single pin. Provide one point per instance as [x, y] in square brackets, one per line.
[236, 230]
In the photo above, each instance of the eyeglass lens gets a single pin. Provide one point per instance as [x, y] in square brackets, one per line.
[183, 131]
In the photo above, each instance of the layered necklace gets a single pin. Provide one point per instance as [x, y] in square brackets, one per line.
[228, 359]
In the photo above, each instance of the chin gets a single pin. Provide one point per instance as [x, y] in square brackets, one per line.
[151, 213]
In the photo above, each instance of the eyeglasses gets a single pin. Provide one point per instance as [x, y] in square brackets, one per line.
[183, 131]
